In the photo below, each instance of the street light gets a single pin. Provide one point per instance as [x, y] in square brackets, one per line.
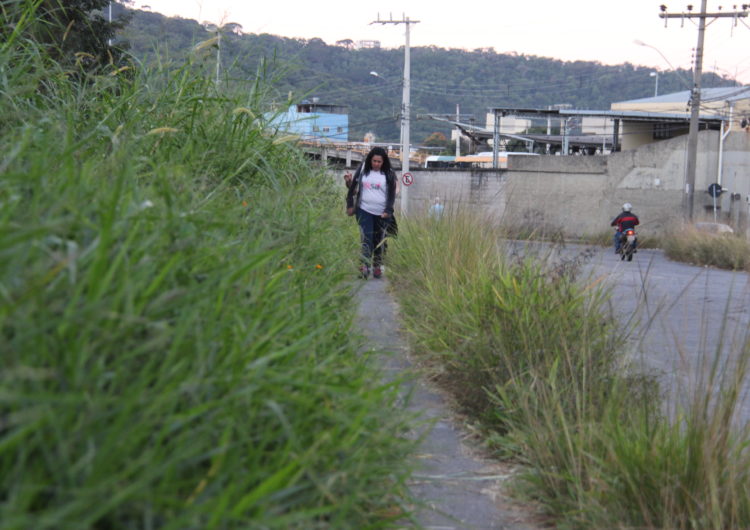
[684, 81]
[656, 86]
[373, 73]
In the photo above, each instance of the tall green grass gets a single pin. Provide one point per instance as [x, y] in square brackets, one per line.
[531, 350]
[176, 326]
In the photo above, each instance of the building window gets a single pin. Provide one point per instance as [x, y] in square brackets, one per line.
[339, 129]
[326, 129]
[316, 128]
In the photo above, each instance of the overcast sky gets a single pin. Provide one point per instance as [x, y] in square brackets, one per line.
[590, 30]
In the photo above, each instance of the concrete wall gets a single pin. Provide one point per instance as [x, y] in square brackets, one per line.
[581, 194]
[597, 125]
[635, 134]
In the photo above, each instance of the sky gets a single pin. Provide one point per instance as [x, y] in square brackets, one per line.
[587, 30]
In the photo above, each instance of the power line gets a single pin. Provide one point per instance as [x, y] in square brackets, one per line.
[696, 90]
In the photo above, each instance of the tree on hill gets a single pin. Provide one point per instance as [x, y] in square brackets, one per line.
[438, 142]
[338, 74]
[436, 139]
[73, 32]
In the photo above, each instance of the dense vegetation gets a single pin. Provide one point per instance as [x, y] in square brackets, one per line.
[73, 33]
[532, 353]
[441, 78]
[176, 320]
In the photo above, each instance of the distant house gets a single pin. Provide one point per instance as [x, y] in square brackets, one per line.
[367, 44]
[507, 124]
[315, 121]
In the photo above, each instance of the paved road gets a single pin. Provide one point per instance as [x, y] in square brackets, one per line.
[455, 487]
[684, 313]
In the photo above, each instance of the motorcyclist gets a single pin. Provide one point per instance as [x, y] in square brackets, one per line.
[627, 219]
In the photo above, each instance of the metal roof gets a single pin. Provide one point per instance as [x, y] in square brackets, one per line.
[731, 93]
[625, 115]
[637, 115]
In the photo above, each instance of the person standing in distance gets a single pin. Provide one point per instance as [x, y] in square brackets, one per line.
[436, 210]
[371, 196]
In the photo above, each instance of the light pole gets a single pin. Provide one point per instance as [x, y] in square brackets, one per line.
[405, 105]
[109, 41]
[656, 86]
[214, 28]
[401, 132]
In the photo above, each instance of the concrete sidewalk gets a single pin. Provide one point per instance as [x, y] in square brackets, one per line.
[456, 488]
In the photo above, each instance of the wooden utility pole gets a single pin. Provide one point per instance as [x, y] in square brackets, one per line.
[405, 104]
[695, 93]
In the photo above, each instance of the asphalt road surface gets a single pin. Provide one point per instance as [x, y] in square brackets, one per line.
[682, 316]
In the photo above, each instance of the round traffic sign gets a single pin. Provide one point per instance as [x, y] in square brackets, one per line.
[407, 179]
[714, 190]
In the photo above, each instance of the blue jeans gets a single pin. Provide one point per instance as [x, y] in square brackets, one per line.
[372, 232]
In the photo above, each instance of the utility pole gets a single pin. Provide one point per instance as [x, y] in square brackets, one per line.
[405, 104]
[458, 131]
[218, 55]
[495, 137]
[695, 93]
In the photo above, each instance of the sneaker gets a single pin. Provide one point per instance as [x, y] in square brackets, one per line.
[364, 271]
[377, 272]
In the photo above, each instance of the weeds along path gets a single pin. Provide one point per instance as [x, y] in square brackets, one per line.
[681, 315]
[453, 486]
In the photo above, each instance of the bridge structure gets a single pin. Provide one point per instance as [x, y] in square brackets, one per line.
[351, 154]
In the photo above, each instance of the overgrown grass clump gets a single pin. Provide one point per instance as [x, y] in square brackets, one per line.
[726, 251]
[530, 350]
[176, 317]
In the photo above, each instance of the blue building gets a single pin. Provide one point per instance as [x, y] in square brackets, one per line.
[315, 121]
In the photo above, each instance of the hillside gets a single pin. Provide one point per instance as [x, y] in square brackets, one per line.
[441, 78]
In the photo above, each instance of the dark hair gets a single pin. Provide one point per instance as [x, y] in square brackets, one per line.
[386, 168]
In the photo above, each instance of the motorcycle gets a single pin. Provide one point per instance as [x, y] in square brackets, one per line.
[627, 244]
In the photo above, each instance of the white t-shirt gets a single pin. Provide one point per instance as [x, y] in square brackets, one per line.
[373, 192]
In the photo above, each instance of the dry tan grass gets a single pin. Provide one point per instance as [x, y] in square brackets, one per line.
[726, 251]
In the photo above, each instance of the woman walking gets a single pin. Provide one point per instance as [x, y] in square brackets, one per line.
[370, 197]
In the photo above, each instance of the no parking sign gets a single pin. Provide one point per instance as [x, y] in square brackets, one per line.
[407, 179]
